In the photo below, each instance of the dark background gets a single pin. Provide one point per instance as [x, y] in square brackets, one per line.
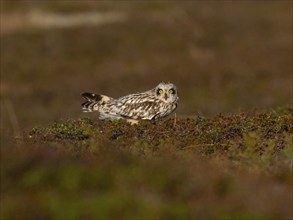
[225, 56]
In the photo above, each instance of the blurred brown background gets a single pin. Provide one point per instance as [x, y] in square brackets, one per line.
[224, 56]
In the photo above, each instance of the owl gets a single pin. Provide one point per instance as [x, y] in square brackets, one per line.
[153, 104]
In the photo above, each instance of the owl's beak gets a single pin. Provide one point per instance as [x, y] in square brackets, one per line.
[165, 97]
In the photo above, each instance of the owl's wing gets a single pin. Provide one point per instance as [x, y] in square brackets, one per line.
[94, 101]
[137, 106]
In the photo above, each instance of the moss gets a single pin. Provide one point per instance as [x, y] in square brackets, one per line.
[254, 136]
[65, 130]
[36, 131]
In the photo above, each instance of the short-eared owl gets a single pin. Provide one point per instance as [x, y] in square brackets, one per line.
[150, 105]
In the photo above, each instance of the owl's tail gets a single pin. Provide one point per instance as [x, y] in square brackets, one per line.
[93, 101]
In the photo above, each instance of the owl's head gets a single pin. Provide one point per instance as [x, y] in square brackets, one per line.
[167, 92]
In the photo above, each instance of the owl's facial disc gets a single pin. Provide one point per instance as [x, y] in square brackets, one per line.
[167, 92]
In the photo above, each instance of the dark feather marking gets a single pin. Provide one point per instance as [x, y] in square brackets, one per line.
[91, 96]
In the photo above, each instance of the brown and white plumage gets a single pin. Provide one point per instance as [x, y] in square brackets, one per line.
[150, 105]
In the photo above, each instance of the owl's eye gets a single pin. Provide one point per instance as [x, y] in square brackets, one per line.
[159, 91]
[171, 91]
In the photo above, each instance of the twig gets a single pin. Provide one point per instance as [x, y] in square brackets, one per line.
[175, 120]
[13, 119]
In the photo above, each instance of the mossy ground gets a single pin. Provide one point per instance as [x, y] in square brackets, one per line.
[224, 167]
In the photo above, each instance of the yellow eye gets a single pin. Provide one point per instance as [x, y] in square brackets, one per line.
[160, 91]
[171, 91]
